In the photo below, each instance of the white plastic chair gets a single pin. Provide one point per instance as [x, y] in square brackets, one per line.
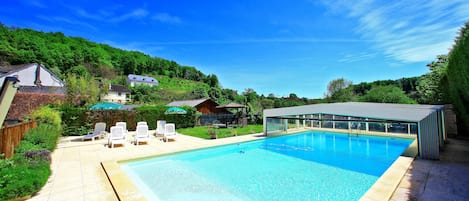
[142, 123]
[141, 134]
[116, 136]
[99, 129]
[160, 127]
[169, 132]
[123, 125]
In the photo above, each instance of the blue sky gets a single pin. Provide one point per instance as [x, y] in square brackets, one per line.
[271, 46]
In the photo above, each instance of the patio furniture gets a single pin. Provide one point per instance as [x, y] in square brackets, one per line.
[141, 123]
[123, 125]
[116, 136]
[160, 127]
[169, 132]
[98, 132]
[141, 134]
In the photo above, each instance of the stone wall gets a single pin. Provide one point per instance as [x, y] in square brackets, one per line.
[25, 103]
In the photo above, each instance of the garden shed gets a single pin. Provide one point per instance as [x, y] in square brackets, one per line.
[425, 122]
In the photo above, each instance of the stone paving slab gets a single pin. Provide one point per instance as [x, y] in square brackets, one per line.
[77, 173]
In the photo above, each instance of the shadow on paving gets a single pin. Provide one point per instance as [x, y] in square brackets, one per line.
[444, 179]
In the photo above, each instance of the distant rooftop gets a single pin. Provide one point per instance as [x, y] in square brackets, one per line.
[142, 79]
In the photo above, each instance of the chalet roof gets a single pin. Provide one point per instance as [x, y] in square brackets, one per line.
[143, 79]
[43, 89]
[13, 68]
[191, 103]
[232, 105]
[119, 88]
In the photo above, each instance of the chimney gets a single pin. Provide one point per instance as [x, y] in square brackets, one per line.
[37, 82]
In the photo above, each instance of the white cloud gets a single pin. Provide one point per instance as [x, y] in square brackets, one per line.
[408, 31]
[167, 18]
[67, 21]
[135, 14]
[349, 58]
[111, 16]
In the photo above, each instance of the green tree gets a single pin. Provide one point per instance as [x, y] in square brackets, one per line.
[81, 91]
[339, 90]
[458, 79]
[430, 86]
[386, 94]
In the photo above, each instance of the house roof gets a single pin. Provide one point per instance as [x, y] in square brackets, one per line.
[387, 111]
[119, 88]
[191, 103]
[13, 68]
[43, 89]
[143, 79]
[232, 105]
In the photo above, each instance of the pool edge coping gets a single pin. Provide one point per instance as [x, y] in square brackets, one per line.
[382, 189]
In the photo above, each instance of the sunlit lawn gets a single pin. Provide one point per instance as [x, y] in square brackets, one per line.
[202, 131]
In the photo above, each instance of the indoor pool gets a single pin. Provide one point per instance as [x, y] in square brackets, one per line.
[305, 166]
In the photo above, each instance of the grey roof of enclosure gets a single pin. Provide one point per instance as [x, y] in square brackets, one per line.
[387, 111]
[191, 103]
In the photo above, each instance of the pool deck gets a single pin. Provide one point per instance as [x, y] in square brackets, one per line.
[78, 174]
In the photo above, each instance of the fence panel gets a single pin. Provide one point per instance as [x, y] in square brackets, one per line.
[10, 137]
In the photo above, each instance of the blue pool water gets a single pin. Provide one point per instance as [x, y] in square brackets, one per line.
[306, 166]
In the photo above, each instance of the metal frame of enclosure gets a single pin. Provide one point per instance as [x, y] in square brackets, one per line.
[425, 122]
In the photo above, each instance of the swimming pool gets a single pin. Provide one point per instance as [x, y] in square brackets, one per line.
[306, 166]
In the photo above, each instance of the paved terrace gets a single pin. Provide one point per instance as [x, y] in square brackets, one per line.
[77, 173]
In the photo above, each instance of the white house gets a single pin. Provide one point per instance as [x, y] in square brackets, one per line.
[34, 78]
[117, 94]
[139, 79]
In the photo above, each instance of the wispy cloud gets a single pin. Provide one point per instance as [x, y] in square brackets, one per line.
[349, 58]
[260, 40]
[67, 21]
[408, 31]
[167, 18]
[134, 14]
[34, 3]
[111, 16]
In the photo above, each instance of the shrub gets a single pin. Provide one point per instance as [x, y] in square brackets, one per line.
[22, 177]
[47, 115]
[44, 136]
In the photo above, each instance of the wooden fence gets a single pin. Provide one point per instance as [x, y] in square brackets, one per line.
[11, 136]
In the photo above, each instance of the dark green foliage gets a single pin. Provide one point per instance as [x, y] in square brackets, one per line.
[386, 94]
[73, 54]
[458, 79]
[21, 177]
[431, 86]
[28, 171]
[44, 136]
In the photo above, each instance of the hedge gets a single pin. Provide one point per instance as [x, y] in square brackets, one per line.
[79, 121]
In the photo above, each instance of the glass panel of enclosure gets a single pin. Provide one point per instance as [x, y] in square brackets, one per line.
[376, 126]
[341, 122]
[274, 124]
[326, 123]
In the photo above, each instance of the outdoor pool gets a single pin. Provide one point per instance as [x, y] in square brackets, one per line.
[305, 166]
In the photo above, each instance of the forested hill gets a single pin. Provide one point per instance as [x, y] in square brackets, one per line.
[61, 54]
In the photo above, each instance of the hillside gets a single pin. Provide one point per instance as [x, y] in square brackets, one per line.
[75, 56]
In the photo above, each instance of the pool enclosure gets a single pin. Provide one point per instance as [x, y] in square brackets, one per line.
[425, 122]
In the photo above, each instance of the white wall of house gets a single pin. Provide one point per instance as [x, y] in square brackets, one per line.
[116, 97]
[27, 77]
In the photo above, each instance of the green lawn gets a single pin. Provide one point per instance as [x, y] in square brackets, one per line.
[202, 131]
